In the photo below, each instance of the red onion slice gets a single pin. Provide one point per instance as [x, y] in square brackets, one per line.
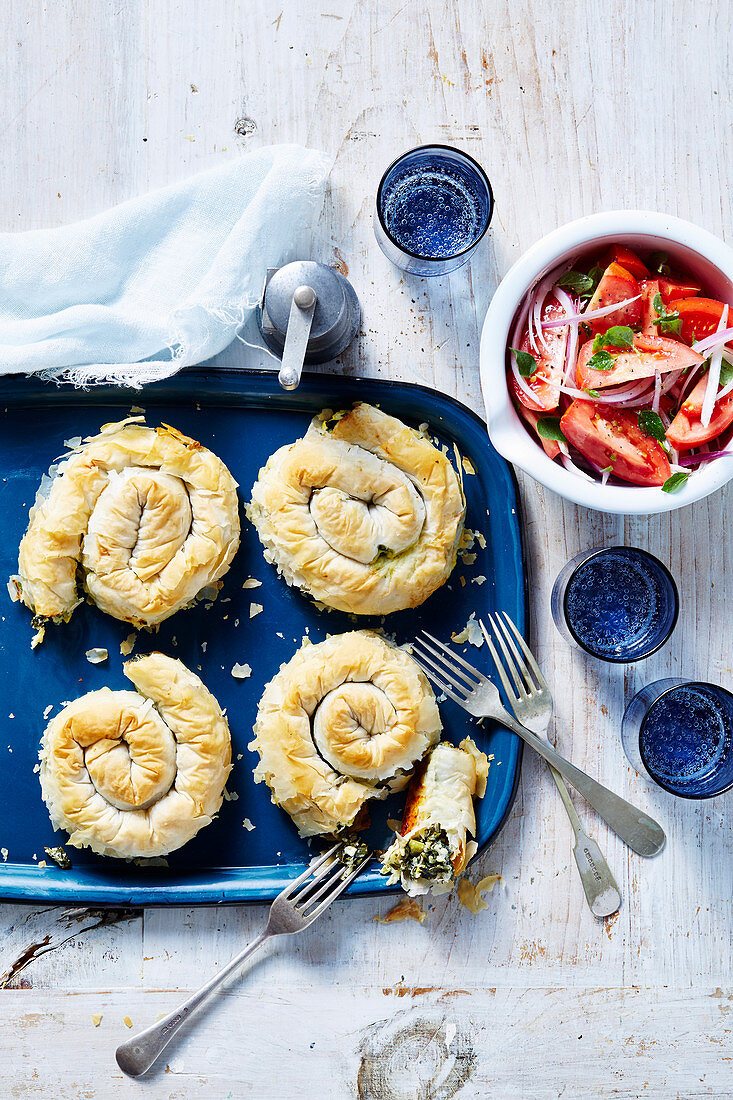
[716, 338]
[594, 315]
[699, 459]
[716, 361]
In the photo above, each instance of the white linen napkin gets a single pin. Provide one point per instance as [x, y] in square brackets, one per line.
[160, 282]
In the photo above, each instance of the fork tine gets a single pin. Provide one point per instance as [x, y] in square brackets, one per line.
[531, 686]
[509, 663]
[511, 694]
[339, 889]
[513, 657]
[452, 669]
[312, 867]
[526, 651]
[457, 657]
[302, 903]
[436, 680]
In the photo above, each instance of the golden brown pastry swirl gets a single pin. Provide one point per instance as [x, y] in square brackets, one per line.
[137, 773]
[363, 512]
[344, 721]
[149, 516]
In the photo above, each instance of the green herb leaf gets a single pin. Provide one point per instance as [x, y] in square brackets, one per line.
[549, 428]
[659, 262]
[593, 393]
[596, 274]
[602, 360]
[666, 320]
[526, 363]
[675, 482]
[726, 373]
[607, 469]
[652, 425]
[577, 281]
[619, 336]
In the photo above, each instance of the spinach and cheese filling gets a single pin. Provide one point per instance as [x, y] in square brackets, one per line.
[433, 849]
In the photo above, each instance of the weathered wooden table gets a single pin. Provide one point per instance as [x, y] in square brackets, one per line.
[572, 107]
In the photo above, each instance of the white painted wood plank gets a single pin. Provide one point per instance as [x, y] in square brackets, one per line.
[397, 1043]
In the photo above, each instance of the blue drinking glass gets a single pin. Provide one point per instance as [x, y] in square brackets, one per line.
[434, 205]
[679, 734]
[617, 603]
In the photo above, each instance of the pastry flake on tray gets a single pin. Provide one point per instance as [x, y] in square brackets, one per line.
[149, 517]
[432, 849]
[344, 721]
[363, 513]
[137, 773]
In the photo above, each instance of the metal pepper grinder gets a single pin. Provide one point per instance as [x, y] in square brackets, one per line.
[309, 313]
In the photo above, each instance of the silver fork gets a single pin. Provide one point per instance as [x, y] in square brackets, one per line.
[473, 691]
[297, 906]
[531, 700]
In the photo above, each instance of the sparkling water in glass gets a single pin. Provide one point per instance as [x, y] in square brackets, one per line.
[679, 733]
[434, 205]
[617, 604]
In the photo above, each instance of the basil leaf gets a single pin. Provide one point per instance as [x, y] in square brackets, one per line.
[526, 363]
[549, 428]
[596, 274]
[652, 425]
[726, 373]
[666, 320]
[675, 482]
[577, 281]
[670, 324]
[659, 262]
[619, 336]
[602, 360]
[593, 393]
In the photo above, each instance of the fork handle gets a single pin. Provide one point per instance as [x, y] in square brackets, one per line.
[138, 1054]
[635, 828]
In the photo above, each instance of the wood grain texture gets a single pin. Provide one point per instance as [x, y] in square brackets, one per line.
[572, 108]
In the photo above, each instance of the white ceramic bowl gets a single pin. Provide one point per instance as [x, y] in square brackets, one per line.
[696, 250]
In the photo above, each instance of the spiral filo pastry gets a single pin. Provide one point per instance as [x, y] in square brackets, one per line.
[342, 722]
[148, 515]
[363, 513]
[137, 773]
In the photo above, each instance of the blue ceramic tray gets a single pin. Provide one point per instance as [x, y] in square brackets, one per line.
[243, 417]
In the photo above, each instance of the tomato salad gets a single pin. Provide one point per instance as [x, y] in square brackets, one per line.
[623, 369]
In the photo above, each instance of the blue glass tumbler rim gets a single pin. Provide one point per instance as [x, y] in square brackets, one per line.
[652, 774]
[647, 652]
[479, 171]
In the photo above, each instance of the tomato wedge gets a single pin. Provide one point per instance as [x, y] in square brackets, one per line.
[673, 290]
[549, 446]
[649, 290]
[651, 354]
[700, 317]
[628, 259]
[616, 285]
[612, 437]
[545, 382]
[686, 430]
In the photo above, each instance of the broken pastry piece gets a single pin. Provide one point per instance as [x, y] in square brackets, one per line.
[433, 848]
